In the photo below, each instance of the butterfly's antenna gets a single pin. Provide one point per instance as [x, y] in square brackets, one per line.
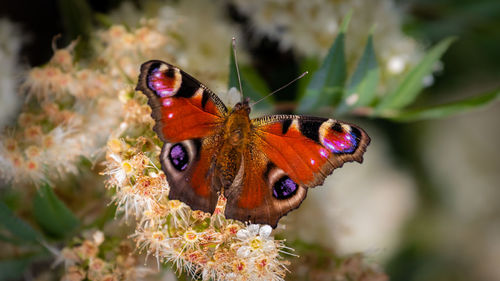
[280, 88]
[236, 63]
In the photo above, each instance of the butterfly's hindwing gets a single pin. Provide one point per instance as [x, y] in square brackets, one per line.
[186, 168]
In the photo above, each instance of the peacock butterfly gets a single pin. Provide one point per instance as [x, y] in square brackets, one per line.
[263, 166]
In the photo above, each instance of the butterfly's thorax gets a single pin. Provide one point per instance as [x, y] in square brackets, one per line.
[236, 133]
[237, 127]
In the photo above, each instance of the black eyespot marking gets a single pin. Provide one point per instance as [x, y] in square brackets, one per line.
[356, 133]
[188, 87]
[310, 128]
[269, 167]
[170, 73]
[197, 147]
[286, 125]
[204, 99]
[178, 157]
[154, 67]
[337, 127]
[284, 188]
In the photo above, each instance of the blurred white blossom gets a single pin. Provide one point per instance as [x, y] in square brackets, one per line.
[310, 27]
[10, 46]
[461, 159]
[201, 50]
[84, 260]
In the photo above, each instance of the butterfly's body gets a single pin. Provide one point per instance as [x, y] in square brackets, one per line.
[263, 166]
[228, 157]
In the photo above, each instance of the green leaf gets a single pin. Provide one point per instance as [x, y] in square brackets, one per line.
[52, 214]
[327, 83]
[411, 84]
[77, 21]
[252, 84]
[363, 84]
[19, 229]
[104, 20]
[256, 82]
[13, 269]
[310, 65]
[10, 240]
[445, 110]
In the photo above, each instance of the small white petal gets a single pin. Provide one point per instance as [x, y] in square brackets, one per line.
[115, 157]
[243, 234]
[98, 237]
[268, 246]
[253, 229]
[243, 251]
[265, 231]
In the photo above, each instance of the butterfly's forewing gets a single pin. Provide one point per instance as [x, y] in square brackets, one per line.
[188, 120]
[309, 148]
[183, 108]
[289, 154]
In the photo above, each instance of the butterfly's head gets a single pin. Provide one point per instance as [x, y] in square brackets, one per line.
[243, 106]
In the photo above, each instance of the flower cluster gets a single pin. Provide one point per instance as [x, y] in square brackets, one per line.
[204, 245]
[93, 259]
[311, 26]
[62, 125]
[59, 123]
[204, 53]
[72, 107]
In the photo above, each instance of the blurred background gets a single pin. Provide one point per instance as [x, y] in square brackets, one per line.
[424, 205]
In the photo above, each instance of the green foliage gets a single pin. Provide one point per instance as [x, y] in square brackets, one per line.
[16, 231]
[13, 269]
[252, 85]
[19, 230]
[363, 83]
[412, 85]
[327, 83]
[441, 111]
[52, 214]
[77, 22]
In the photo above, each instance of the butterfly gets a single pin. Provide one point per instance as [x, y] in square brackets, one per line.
[263, 166]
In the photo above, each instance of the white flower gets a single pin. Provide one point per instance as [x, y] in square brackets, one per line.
[255, 239]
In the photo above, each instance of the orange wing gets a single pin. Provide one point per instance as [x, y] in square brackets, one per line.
[188, 118]
[309, 148]
[287, 155]
[183, 108]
